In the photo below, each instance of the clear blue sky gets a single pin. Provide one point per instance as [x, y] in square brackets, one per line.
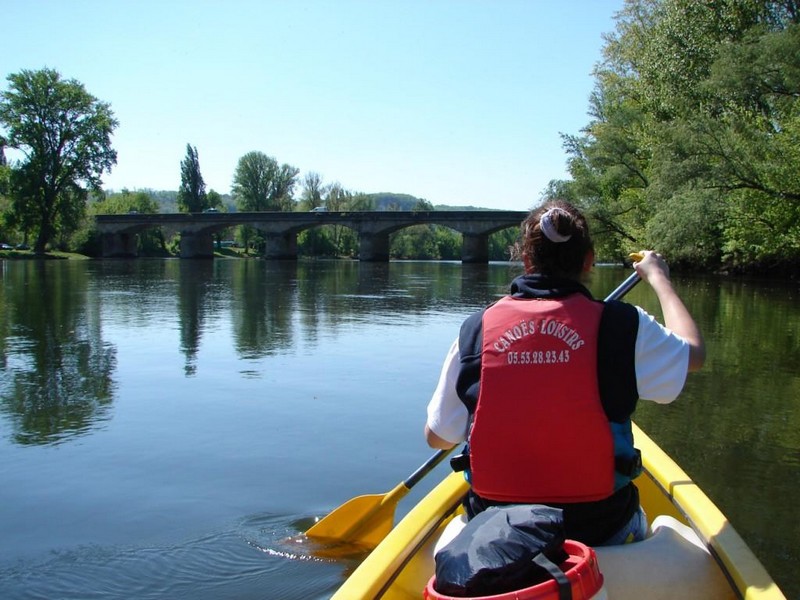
[460, 102]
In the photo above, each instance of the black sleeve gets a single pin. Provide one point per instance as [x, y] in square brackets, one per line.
[470, 343]
[616, 361]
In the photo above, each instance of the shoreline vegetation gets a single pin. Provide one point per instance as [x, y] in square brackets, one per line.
[334, 242]
[330, 242]
[238, 253]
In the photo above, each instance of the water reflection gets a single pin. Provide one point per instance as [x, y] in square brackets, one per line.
[262, 312]
[736, 427]
[57, 380]
[58, 377]
[276, 306]
[194, 290]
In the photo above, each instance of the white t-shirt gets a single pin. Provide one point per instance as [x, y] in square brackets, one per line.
[662, 362]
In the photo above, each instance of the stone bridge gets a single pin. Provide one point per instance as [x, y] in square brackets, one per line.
[280, 229]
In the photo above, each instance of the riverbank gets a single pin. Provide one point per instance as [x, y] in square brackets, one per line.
[29, 255]
[57, 255]
[770, 271]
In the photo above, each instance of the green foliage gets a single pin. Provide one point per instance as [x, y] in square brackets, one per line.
[318, 241]
[192, 192]
[214, 200]
[313, 190]
[330, 240]
[694, 144]
[500, 244]
[151, 241]
[64, 134]
[416, 242]
[260, 184]
[762, 231]
[140, 201]
[686, 228]
[5, 200]
[387, 201]
[362, 202]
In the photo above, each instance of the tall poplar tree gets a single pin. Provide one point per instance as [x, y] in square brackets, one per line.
[192, 193]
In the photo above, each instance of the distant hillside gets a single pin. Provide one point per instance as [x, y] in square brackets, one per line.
[447, 207]
[390, 201]
[168, 201]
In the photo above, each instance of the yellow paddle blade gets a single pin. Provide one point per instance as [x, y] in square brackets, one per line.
[363, 520]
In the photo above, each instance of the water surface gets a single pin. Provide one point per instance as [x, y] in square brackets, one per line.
[167, 427]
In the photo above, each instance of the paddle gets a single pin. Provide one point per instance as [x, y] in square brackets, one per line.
[366, 520]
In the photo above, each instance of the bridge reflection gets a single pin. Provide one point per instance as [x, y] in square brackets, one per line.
[280, 229]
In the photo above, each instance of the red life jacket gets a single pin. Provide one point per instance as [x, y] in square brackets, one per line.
[539, 432]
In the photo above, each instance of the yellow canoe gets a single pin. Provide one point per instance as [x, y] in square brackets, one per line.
[694, 551]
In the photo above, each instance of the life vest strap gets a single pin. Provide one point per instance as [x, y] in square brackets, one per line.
[629, 466]
[460, 462]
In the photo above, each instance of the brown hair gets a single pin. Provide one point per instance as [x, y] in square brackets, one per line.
[559, 258]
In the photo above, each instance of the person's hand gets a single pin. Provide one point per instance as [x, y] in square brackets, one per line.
[649, 264]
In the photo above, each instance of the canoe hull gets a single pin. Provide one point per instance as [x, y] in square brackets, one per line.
[400, 567]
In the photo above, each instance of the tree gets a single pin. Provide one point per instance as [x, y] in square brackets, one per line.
[5, 201]
[214, 199]
[192, 193]
[284, 187]
[693, 144]
[64, 134]
[311, 196]
[259, 184]
[151, 240]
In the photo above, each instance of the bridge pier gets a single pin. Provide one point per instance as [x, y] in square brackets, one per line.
[373, 247]
[280, 245]
[123, 245]
[475, 248]
[196, 244]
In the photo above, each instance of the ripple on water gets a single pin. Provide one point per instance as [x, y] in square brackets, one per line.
[262, 556]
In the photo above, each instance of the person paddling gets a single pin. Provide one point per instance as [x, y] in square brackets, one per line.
[542, 384]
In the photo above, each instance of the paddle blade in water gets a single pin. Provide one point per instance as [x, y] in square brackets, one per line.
[364, 520]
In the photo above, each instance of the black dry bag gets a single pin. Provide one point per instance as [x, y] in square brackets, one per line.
[502, 549]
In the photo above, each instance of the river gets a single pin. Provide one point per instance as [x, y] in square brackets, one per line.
[167, 426]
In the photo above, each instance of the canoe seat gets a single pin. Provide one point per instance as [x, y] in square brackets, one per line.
[672, 563]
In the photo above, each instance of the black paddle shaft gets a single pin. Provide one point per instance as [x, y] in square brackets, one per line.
[426, 467]
[624, 287]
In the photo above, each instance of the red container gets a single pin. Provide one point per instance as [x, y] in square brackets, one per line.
[581, 569]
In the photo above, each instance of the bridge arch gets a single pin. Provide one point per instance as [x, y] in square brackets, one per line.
[281, 229]
[375, 240]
